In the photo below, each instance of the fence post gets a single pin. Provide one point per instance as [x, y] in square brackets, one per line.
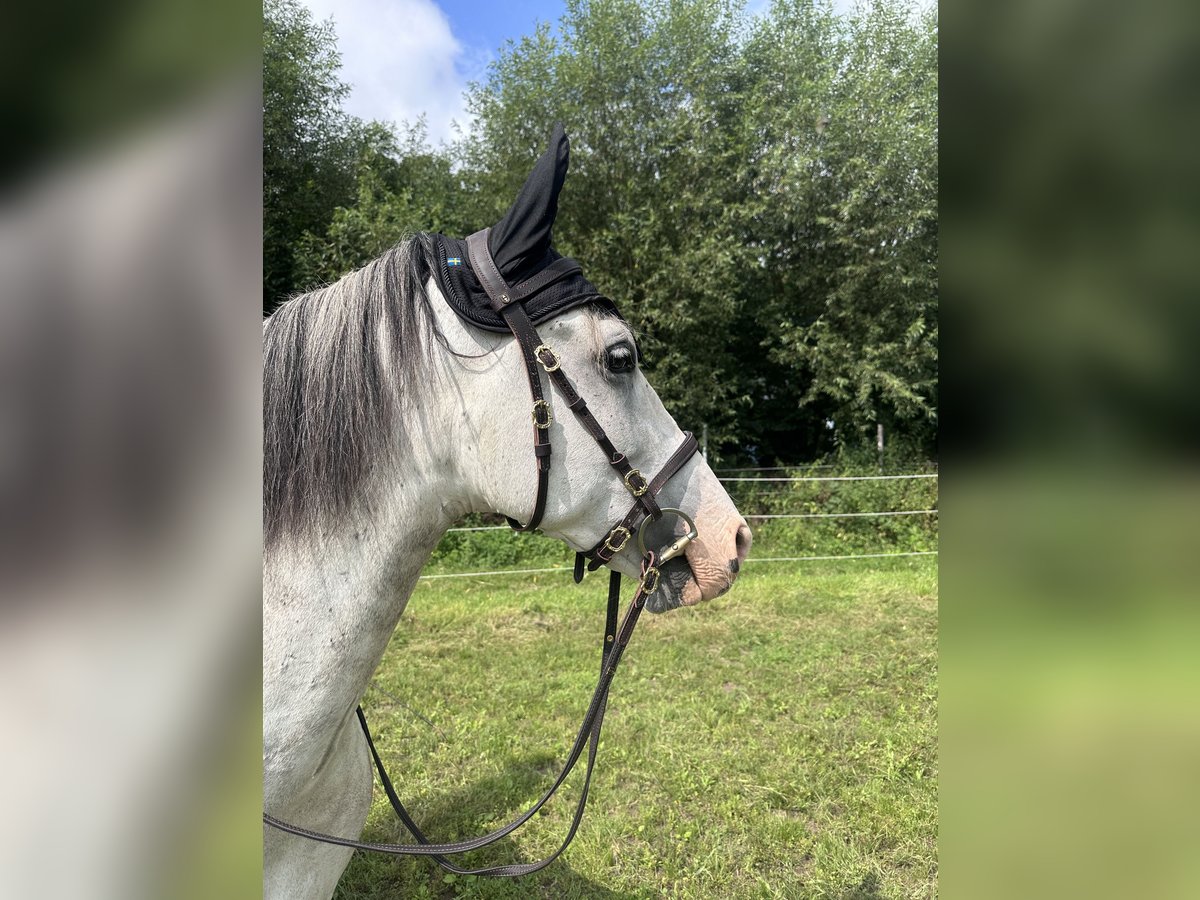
[879, 443]
[704, 441]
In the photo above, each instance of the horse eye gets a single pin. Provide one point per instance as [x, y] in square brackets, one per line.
[620, 358]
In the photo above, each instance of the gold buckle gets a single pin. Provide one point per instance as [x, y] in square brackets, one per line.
[542, 404]
[557, 362]
[650, 585]
[636, 491]
[617, 548]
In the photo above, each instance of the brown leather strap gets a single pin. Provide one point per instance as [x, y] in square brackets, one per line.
[501, 296]
[486, 270]
[503, 299]
[619, 534]
[542, 415]
[632, 480]
[518, 320]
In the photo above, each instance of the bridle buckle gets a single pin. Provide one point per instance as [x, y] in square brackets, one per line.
[636, 489]
[625, 536]
[650, 580]
[542, 423]
[542, 348]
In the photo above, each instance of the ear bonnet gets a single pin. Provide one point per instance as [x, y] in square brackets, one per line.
[541, 279]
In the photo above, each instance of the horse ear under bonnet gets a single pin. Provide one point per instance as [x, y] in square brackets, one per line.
[542, 280]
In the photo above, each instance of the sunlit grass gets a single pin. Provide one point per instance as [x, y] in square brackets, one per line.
[781, 741]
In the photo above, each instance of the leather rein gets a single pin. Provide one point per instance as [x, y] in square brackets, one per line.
[539, 357]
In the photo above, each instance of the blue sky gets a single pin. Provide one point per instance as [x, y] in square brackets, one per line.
[405, 58]
[488, 25]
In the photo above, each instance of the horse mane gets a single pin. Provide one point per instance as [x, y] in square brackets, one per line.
[334, 361]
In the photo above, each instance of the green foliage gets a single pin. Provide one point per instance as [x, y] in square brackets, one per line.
[758, 195]
[863, 532]
[847, 211]
[496, 550]
[777, 742]
[396, 195]
[305, 149]
[313, 152]
[651, 94]
[829, 531]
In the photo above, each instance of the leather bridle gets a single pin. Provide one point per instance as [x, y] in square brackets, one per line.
[539, 357]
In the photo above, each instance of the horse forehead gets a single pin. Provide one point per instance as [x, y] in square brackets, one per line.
[598, 329]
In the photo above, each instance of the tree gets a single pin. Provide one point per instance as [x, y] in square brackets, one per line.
[649, 92]
[846, 213]
[759, 196]
[760, 200]
[311, 148]
[407, 189]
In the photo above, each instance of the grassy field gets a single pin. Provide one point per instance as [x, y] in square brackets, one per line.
[777, 742]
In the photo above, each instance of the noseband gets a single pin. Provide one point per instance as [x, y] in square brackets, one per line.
[538, 357]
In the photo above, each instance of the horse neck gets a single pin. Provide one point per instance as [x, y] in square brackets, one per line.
[330, 605]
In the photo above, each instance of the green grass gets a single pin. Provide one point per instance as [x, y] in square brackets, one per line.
[778, 742]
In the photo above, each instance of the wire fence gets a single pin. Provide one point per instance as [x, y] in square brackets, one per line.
[748, 561]
[806, 467]
[772, 502]
[777, 468]
[839, 478]
[846, 515]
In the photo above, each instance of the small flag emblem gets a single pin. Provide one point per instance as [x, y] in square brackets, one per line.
[454, 261]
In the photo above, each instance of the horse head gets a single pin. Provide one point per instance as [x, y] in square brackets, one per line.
[443, 378]
[571, 386]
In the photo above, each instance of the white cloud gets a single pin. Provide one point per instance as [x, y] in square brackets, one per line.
[401, 60]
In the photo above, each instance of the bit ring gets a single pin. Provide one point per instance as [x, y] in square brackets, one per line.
[676, 547]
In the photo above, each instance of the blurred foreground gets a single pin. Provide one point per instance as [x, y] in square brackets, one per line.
[130, 258]
[1069, 726]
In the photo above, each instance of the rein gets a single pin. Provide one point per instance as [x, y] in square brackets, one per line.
[539, 357]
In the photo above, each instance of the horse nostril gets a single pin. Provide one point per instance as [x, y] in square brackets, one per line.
[734, 566]
[742, 541]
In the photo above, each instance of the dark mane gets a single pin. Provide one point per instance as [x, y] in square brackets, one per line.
[333, 362]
